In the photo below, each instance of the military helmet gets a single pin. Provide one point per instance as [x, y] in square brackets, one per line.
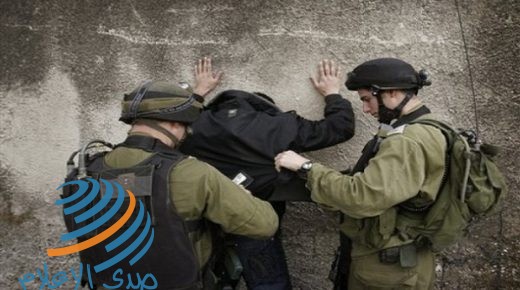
[161, 100]
[386, 74]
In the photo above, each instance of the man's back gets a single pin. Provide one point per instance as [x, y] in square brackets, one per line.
[241, 132]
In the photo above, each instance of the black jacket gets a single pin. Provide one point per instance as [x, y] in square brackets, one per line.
[240, 131]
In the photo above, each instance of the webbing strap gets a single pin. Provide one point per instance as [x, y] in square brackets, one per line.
[139, 95]
[423, 110]
[155, 125]
[147, 143]
[372, 146]
[446, 129]
[176, 108]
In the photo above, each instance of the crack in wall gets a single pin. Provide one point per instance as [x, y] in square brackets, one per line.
[306, 34]
[27, 26]
[143, 38]
[201, 9]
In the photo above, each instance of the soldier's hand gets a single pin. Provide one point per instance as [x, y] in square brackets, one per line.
[205, 79]
[328, 80]
[290, 160]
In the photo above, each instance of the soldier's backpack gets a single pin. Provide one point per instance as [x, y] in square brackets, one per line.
[473, 186]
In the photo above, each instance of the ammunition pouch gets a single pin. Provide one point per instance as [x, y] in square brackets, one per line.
[406, 255]
[232, 264]
[373, 232]
[224, 265]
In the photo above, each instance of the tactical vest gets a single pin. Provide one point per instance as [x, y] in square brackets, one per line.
[171, 258]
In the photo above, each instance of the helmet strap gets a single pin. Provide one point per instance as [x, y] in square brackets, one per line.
[139, 95]
[155, 125]
[188, 132]
[386, 115]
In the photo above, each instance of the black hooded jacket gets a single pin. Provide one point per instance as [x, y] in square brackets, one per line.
[243, 132]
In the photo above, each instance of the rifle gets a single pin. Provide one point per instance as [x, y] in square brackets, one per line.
[340, 267]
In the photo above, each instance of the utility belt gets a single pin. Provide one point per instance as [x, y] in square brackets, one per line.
[405, 255]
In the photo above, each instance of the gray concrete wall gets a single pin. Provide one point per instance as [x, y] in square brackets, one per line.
[65, 65]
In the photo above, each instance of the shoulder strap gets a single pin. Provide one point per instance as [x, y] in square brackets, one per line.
[447, 130]
[451, 134]
[372, 146]
[406, 119]
[195, 225]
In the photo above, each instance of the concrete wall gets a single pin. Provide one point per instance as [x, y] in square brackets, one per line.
[65, 65]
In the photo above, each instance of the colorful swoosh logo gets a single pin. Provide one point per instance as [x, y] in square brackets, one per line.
[82, 199]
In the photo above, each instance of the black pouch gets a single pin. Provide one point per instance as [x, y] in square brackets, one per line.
[138, 180]
[408, 256]
[389, 256]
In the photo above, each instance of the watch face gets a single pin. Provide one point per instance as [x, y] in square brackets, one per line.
[307, 165]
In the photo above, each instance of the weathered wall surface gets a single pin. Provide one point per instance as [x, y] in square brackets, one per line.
[65, 65]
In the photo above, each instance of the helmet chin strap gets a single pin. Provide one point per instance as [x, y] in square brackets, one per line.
[155, 125]
[386, 115]
[187, 133]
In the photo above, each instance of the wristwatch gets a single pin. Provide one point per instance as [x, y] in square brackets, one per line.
[306, 167]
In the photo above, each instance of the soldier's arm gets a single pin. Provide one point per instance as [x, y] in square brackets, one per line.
[394, 175]
[201, 190]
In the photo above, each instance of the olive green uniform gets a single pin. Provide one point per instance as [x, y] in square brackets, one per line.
[198, 190]
[409, 164]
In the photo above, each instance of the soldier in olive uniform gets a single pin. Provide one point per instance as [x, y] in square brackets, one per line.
[399, 175]
[160, 114]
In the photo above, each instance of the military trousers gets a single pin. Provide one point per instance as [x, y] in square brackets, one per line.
[369, 273]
